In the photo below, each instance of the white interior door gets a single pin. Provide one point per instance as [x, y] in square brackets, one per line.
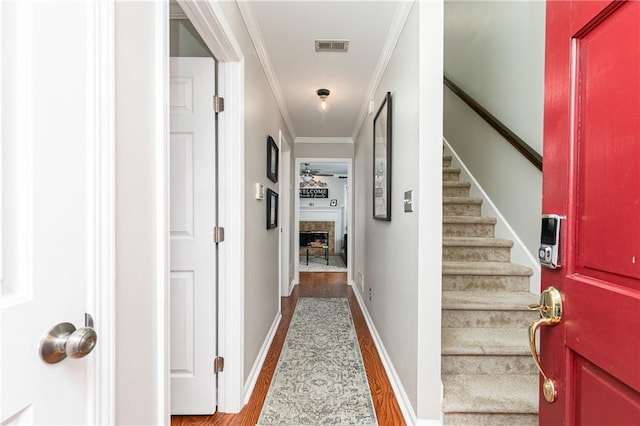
[193, 250]
[51, 134]
[285, 216]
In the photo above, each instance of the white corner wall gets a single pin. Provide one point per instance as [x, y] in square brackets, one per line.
[495, 52]
[400, 260]
[141, 57]
[261, 118]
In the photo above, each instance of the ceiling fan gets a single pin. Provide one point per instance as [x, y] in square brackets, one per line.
[308, 174]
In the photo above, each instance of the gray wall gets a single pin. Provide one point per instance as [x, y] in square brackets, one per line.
[323, 150]
[400, 260]
[185, 40]
[262, 118]
[495, 52]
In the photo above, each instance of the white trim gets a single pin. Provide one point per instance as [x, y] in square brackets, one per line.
[262, 355]
[398, 390]
[304, 139]
[519, 253]
[161, 160]
[246, 10]
[284, 188]
[402, 13]
[208, 20]
[231, 216]
[101, 186]
[291, 286]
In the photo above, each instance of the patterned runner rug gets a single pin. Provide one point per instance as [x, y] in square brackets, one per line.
[320, 377]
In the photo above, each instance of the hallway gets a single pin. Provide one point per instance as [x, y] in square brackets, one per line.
[386, 406]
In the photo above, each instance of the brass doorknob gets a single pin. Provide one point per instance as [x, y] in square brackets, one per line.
[64, 340]
[550, 309]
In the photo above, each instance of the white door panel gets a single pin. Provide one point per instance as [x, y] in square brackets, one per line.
[49, 203]
[193, 251]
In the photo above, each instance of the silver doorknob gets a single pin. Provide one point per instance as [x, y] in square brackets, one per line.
[64, 340]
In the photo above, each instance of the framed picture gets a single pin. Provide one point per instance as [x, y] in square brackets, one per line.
[272, 160]
[334, 202]
[272, 209]
[382, 161]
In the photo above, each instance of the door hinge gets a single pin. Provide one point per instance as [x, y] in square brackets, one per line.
[218, 364]
[218, 234]
[218, 104]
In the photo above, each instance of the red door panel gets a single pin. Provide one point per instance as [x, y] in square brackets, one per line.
[619, 405]
[592, 176]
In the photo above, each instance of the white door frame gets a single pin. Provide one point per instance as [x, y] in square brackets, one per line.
[209, 21]
[296, 192]
[285, 215]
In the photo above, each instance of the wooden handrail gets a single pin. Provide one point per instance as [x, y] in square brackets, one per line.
[522, 147]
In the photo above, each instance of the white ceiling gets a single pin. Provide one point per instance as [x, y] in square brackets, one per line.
[284, 33]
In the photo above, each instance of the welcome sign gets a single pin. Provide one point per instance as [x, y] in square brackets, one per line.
[314, 192]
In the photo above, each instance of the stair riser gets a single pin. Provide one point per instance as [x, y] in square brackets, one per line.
[483, 419]
[452, 175]
[488, 364]
[455, 191]
[476, 254]
[450, 209]
[488, 319]
[485, 282]
[467, 230]
[446, 162]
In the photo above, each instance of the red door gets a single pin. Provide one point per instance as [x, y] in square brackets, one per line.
[592, 176]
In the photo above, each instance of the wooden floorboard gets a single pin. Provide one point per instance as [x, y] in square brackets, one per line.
[384, 401]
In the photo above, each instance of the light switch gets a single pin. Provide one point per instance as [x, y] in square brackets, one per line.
[259, 191]
[408, 201]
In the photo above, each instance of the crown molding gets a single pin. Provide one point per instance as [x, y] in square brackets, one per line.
[249, 17]
[402, 13]
[304, 139]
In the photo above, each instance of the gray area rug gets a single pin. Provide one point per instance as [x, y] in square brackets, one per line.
[320, 377]
[319, 264]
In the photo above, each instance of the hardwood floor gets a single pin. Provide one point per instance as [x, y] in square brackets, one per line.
[384, 401]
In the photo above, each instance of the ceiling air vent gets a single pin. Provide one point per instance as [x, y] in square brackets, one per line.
[332, 45]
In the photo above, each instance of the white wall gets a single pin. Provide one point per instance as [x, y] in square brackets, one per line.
[335, 185]
[141, 49]
[400, 259]
[262, 118]
[495, 52]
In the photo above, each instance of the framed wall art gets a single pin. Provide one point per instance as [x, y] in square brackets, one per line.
[272, 159]
[272, 209]
[382, 161]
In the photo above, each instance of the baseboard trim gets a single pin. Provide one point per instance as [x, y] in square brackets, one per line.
[398, 390]
[291, 286]
[262, 355]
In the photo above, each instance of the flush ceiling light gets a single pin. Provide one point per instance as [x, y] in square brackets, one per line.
[323, 94]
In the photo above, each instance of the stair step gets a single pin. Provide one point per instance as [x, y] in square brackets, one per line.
[450, 173]
[477, 309]
[516, 394]
[455, 188]
[446, 160]
[476, 249]
[488, 364]
[488, 341]
[468, 226]
[491, 419]
[486, 276]
[461, 206]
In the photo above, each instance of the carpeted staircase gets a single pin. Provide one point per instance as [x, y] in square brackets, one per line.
[488, 374]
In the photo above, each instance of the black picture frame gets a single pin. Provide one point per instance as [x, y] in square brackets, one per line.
[272, 159]
[272, 209]
[382, 132]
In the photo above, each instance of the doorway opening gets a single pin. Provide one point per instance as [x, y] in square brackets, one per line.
[323, 215]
